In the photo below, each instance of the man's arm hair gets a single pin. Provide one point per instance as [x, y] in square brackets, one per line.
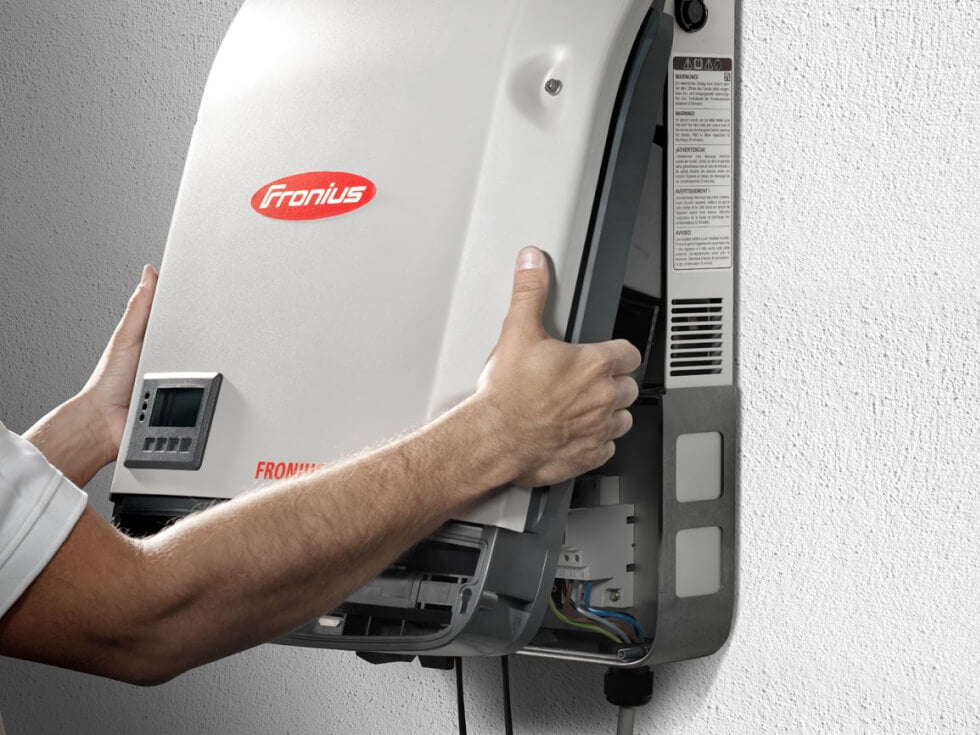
[260, 565]
[253, 568]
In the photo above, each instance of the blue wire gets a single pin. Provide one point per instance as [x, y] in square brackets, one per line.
[609, 614]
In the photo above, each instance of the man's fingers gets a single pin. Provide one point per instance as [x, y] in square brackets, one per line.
[625, 357]
[132, 326]
[531, 281]
[621, 422]
[626, 391]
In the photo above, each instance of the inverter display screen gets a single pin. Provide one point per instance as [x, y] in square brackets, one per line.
[176, 406]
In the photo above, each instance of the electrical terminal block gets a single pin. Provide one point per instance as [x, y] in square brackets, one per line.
[598, 548]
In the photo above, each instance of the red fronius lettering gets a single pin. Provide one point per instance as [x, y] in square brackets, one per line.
[272, 470]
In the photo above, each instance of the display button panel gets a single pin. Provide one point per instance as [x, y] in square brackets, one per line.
[172, 420]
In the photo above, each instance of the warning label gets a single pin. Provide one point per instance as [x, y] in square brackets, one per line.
[701, 151]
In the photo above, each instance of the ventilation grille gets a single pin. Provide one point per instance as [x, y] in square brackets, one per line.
[696, 337]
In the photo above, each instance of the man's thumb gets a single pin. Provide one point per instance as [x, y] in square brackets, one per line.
[531, 279]
[132, 326]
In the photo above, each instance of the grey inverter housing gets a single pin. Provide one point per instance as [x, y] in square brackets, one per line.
[359, 180]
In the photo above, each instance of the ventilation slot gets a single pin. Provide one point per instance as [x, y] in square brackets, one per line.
[696, 337]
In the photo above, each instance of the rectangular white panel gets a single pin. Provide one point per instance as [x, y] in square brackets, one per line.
[698, 561]
[699, 466]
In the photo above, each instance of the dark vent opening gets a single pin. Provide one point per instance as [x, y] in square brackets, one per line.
[438, 557]
[709, 335]
[696, 310]
[140, 516]
[687, 355]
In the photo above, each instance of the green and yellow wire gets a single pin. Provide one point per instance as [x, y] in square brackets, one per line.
[584, 626]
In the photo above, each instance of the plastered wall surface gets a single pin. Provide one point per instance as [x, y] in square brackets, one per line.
[860, 369]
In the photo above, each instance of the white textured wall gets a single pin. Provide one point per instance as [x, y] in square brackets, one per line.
[860, 299]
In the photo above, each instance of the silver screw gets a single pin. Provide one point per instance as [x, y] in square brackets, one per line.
[614, 595]
[552, 86]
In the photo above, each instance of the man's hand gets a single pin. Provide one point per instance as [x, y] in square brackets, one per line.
[559, 406]
[109, 389]
[82, 435]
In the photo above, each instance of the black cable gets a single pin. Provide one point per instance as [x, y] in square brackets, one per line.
[508, 715]
[460, 706]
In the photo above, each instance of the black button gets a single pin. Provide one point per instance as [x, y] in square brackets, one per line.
[692, 15]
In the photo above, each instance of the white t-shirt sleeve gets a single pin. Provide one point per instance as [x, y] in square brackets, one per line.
[38, 509]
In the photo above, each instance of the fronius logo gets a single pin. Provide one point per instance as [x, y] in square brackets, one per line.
[313, 195]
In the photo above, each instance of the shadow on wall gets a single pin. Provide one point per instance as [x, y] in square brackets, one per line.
[563, 697]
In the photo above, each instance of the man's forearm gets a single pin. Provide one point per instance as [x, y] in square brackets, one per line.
[262, 564]
[257, 566]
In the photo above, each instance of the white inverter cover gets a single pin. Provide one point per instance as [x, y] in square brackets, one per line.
[433, 139]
